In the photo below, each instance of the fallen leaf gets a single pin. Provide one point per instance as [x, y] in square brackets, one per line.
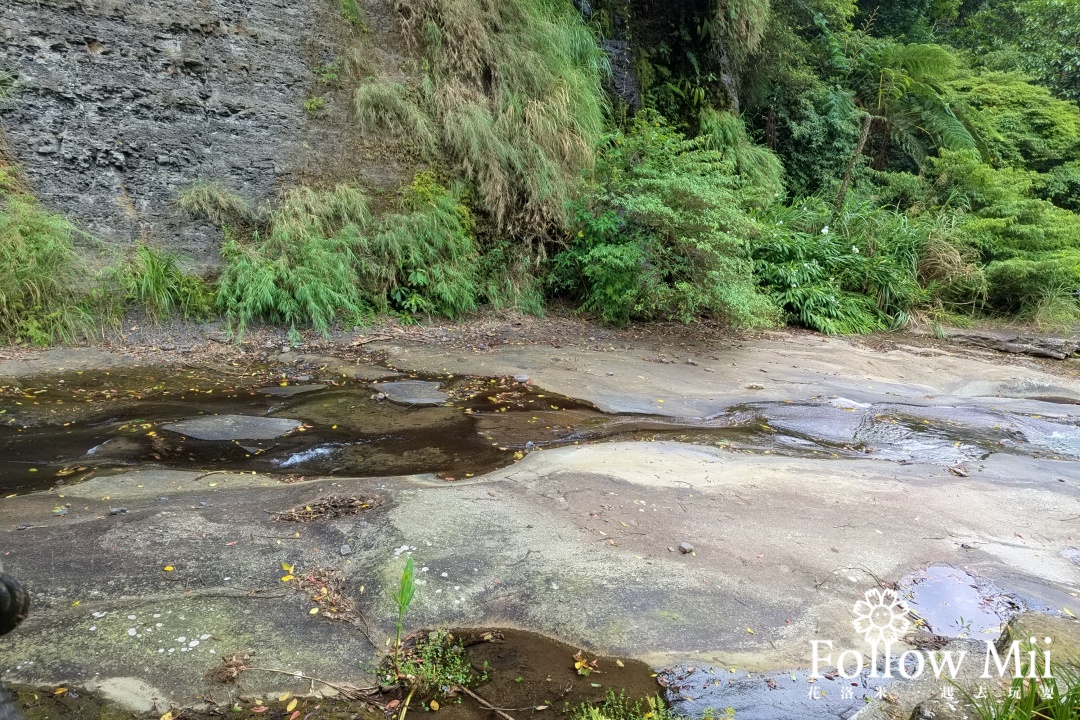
[313, 611]
[291, 706]
[167, 716]
[749, 631]
[296, 714]
[259, 709]
[59, 691]
[1068, 612]
[620, 663]
[168, 568]
[434, 705]
[542, 707]
[284, 697]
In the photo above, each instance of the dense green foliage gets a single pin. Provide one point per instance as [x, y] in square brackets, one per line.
[847, 165]
[51, 292]
[662, 235]
[318, 256]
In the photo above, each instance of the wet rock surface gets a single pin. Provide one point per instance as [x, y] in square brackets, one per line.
[1017, 343]
[417, 393]
[217, 428]
[791, 520]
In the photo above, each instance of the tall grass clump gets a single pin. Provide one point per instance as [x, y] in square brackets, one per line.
[300, 268]
[662, 234]
[319, 257]
[385, 107]
[429, 246]
[217, 203]
[45, 283]
[516, 88]
[153, 280]
[620, 707]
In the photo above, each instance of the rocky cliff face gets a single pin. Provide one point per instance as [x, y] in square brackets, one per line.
[120, 103]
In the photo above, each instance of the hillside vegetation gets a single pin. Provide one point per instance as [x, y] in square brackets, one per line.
[844, 165]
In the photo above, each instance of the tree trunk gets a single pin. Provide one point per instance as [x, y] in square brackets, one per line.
[864, 135]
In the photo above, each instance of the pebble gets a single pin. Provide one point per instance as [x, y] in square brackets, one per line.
[521, 378]
[686, 548]
[346, 549]
[117, 510]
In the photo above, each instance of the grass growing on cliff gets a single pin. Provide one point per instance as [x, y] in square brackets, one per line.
[387, 107]
[218, 204]
[515, 88]
[44, 293]
[152, 279]
[320, 257]
[300, 269]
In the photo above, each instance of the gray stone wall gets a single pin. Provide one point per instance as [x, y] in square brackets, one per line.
[119, 104]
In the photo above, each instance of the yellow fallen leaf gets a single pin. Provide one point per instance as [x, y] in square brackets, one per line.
[287, 568]
[287, 578]
[169, 568]
[620, 663]
[76, 603]
[284, 697]
[1068, 612]
[749, 631]
[313, 611]
[434, 705]
[59, 691]
[167, 716]
[291, 706]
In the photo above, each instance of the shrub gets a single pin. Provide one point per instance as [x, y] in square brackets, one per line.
[660, 236]
[301, 269]
[865, 268]
[1023, 284]
[430, 250]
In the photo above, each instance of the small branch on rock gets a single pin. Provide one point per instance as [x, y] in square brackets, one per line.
[484, 703]
[350, 692]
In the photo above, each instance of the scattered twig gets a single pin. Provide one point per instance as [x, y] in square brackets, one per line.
[351, 692]
[484, 703]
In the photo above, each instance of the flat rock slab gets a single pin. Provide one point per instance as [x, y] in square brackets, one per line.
[413, 392]
[1057, 348]
[291, 390]
[233, 427]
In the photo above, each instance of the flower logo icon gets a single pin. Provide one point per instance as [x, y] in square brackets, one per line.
[881, 616]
